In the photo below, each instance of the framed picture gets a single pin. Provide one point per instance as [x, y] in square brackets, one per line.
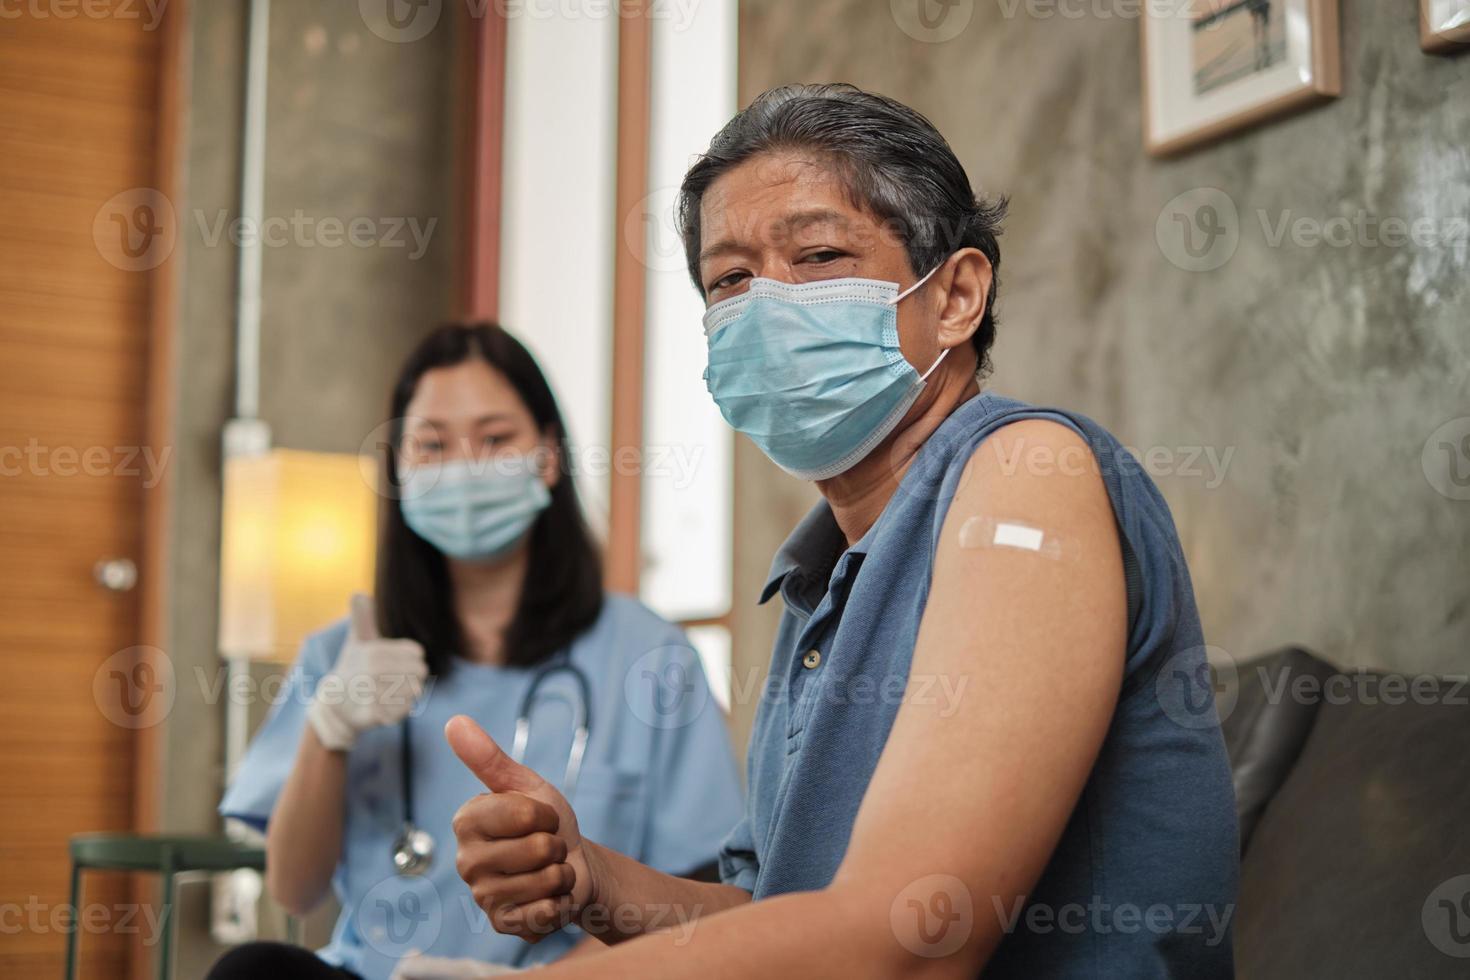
[1444, 25]
[1211, 67]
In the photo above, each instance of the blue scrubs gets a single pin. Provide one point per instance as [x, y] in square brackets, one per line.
[658, 783]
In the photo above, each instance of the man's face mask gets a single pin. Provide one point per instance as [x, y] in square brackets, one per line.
[812, 372]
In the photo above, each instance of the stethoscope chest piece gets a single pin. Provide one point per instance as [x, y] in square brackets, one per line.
[413, 851]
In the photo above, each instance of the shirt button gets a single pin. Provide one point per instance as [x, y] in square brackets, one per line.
[812, 660]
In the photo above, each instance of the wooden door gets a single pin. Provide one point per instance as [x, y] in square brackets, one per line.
[78, 107]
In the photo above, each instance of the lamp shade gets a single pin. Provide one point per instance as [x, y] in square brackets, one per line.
[298, 539]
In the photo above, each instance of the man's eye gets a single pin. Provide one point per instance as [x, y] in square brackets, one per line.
[726, 282]
[826, 255]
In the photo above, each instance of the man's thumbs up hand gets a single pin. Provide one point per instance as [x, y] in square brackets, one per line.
[490, 763]
[374, 681]
[519, 847]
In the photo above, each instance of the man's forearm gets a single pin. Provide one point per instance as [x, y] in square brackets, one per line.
[630, 898]
[841, 931]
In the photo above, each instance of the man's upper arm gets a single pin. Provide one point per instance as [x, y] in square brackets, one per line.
[1026, 610]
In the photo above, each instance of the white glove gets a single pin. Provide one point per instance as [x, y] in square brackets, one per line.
[374, 682]
[416, 966]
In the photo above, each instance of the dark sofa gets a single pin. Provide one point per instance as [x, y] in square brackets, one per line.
[1354, 795]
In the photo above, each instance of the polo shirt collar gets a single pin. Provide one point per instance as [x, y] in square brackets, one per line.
[809, 553]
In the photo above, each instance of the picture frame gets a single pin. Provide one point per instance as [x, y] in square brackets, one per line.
[1444, 26]
[1213, 67]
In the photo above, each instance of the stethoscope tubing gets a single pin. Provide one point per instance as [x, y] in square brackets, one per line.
[581, 733]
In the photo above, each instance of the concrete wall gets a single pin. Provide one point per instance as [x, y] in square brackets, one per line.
[1323, 371]
[359, 128]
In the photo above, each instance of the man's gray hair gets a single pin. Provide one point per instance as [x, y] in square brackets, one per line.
[894, 163]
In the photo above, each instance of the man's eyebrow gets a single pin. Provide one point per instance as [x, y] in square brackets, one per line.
[796, 220]
[721, 247]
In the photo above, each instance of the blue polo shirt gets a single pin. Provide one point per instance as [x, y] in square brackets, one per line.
[1143, 881]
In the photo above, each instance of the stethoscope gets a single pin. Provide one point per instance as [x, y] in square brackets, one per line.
[413, 850]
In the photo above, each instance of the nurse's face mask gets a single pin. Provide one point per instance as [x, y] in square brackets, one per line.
[474, 509]
[812, 372]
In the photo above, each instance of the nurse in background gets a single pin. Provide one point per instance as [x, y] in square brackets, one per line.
[486, 573]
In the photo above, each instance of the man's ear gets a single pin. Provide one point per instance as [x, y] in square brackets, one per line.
[966, 281]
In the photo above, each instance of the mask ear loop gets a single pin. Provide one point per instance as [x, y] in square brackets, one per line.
[915, 287]
[905, 295]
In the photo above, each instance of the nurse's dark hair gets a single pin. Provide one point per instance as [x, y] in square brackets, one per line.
[562, 594]
[894, 164]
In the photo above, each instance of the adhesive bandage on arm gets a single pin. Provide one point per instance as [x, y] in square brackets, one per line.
[989, 532]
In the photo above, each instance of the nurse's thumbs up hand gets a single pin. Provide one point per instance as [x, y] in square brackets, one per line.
[519, 847]
[374, 682]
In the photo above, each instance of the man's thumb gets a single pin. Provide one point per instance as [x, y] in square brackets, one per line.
[363, 618]
[488, 761]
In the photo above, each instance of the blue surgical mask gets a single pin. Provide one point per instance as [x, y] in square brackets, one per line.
[812, 372]
[473, 510]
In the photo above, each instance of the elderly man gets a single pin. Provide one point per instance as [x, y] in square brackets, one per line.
[1064, 807]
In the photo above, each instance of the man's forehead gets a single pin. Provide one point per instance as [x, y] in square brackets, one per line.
[744, 206]
[782, 186]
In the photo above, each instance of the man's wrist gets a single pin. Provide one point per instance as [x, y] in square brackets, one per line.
[602, 889]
